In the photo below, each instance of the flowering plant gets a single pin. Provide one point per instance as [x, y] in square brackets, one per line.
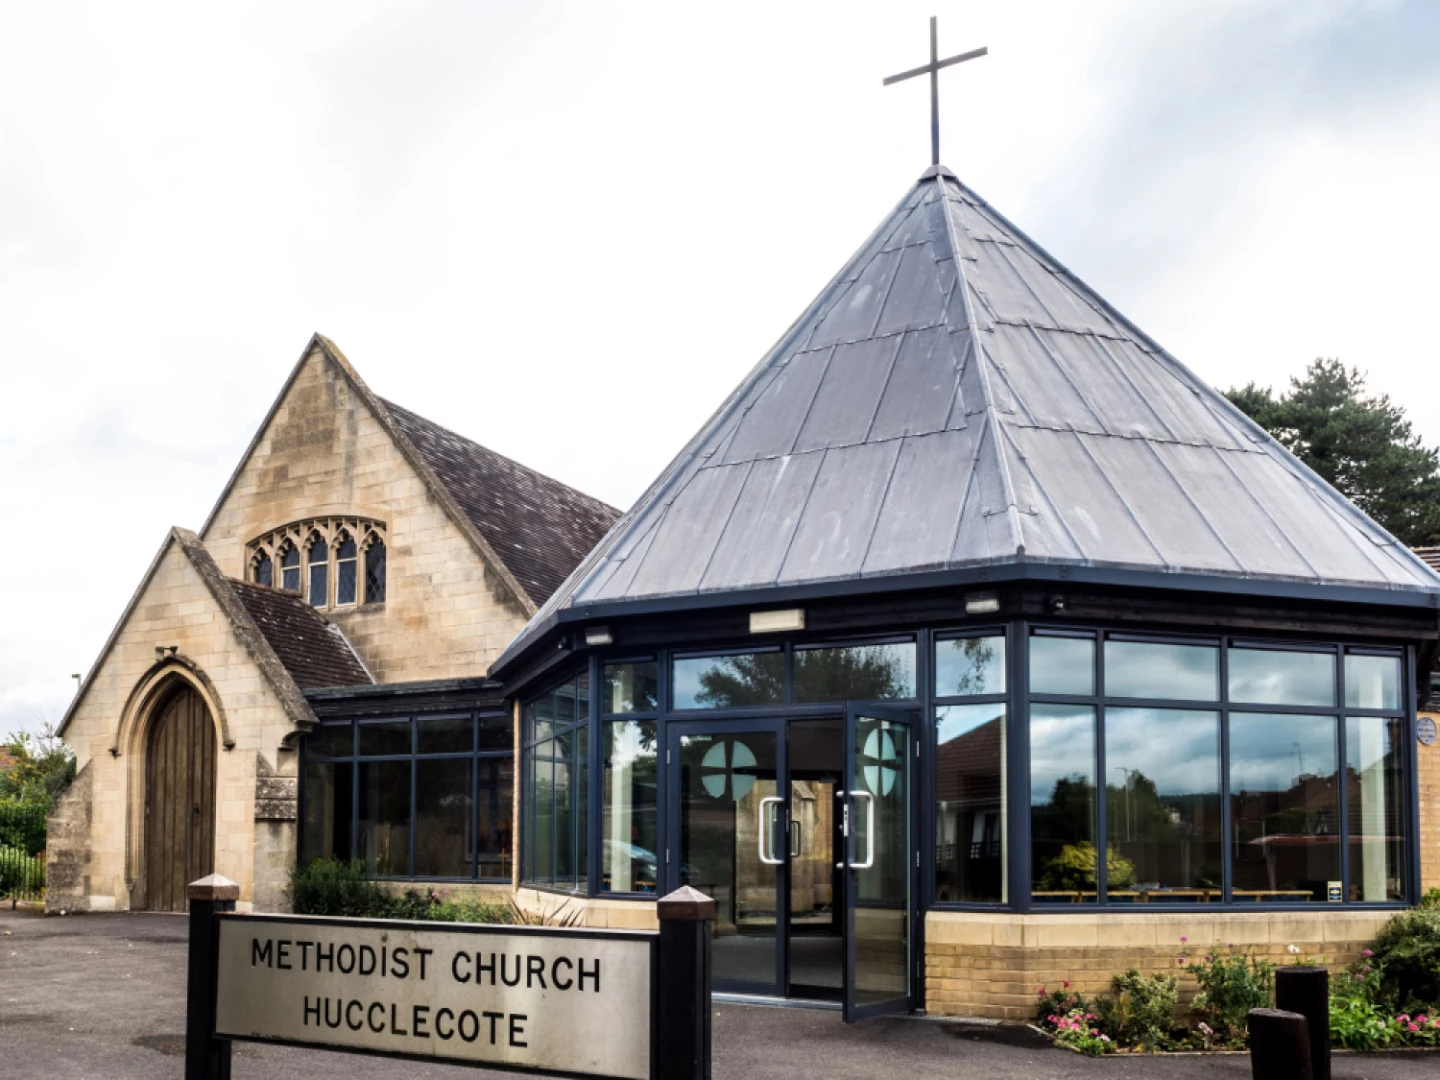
[1077, 1030]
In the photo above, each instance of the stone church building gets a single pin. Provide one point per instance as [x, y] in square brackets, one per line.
[973, 634]
[356, 543]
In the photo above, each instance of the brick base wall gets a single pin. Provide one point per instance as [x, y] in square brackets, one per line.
[990, 965]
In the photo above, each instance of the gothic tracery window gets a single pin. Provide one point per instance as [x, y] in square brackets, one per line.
[331, 562]
[345, 566]
[318, 563]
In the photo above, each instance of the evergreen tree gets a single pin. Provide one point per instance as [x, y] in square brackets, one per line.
[1362, 445]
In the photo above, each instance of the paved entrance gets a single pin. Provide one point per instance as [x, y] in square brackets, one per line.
[102, 997]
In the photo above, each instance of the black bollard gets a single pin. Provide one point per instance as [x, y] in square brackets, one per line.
[1306, 990]
[684, 1013]
[1279, 1045]
[206, 1057]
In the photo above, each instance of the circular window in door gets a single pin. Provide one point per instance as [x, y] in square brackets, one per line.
[878, 761]
[728, 770]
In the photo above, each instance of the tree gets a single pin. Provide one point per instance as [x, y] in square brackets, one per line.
[1362, 445]
[41, 768]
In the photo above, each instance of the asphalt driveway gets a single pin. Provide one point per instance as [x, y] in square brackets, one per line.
[102, 997]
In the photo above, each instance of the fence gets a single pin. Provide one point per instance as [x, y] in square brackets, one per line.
[22, 851]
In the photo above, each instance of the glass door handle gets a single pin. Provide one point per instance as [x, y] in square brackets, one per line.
[796, 842]
[767, 831]
[869, 830]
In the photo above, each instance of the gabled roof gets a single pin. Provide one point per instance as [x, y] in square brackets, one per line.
[539, 526]
[313, 649]
[531, 530]
[227, 597]
[956, 399]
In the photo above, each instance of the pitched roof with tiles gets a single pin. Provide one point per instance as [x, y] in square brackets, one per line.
[539, 527]
[313, 649]
[956, 399]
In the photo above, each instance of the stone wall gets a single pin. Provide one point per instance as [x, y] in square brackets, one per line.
[1429, 777]
[324, 453]
[175, 610]
[990, 965]
[67, 847]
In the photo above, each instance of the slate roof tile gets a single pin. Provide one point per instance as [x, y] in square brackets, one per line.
[540, 527]
[311, 647]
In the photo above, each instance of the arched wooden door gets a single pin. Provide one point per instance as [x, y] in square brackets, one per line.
[179, 800]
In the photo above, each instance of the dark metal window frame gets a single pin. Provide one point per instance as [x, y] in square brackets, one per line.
[354, 759]
[1020, 868]
[524, 782]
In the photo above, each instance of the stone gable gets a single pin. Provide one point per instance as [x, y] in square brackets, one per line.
[176, 629]
[325, 452]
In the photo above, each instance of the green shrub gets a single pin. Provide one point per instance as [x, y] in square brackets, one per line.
[1231, 984]
[1140, 1011]
[1431, 898]
[1054, 1004]
[338, 887]
[1407, 956]
[346, 887]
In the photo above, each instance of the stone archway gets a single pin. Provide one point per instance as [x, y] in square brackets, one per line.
[179, 798]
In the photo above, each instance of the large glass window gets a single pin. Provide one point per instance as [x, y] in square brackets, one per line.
[1374, 746]
[629, 808]
[855, 673]
[1162, 804]
[1284, 806]
[557, 785]
[1266, 749]
[970, 830]
[721, 682]
[414, 796]
[1062, 803]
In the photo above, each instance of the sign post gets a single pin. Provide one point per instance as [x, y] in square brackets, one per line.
[582, 1002]
[206, 1057]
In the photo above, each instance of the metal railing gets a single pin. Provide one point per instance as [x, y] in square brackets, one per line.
[22, 851]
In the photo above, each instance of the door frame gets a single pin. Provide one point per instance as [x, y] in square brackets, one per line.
[777, 726]
[910, 719]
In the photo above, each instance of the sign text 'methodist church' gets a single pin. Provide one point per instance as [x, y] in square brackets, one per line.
[972, 626]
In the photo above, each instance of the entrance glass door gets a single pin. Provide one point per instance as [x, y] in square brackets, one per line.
[879, 846]
[732, 830]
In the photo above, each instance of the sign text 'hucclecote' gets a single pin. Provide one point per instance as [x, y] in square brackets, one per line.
[562, 1001]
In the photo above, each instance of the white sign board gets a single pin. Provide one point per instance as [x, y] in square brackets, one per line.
[558, 1000]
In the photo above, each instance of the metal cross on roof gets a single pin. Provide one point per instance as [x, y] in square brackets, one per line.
[933, 69]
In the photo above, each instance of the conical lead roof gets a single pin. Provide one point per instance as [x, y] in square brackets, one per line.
[956, 398]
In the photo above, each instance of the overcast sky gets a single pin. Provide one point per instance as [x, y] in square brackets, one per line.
[567, 230]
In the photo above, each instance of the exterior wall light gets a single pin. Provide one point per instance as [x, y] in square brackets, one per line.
[598, 635]
[982, 604]
[769, 622]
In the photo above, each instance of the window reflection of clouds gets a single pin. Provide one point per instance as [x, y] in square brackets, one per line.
[1271, 751]
[1274, 677]
[1144, 669]
[1060, 665]
[1177, 749]
[970, 666]
[1062, 744]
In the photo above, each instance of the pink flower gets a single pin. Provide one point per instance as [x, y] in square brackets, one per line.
[1104, 1038]
[1183, 939]
[1366, 952]
[1412, 1027]
[1180, 960]
[1206, 1028]
[1096, 1031]
[1066, 984]
[1040, 991]
[1421, 1020]
[1208, 958]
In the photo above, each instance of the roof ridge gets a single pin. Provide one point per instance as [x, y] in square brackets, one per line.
[979, 357]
